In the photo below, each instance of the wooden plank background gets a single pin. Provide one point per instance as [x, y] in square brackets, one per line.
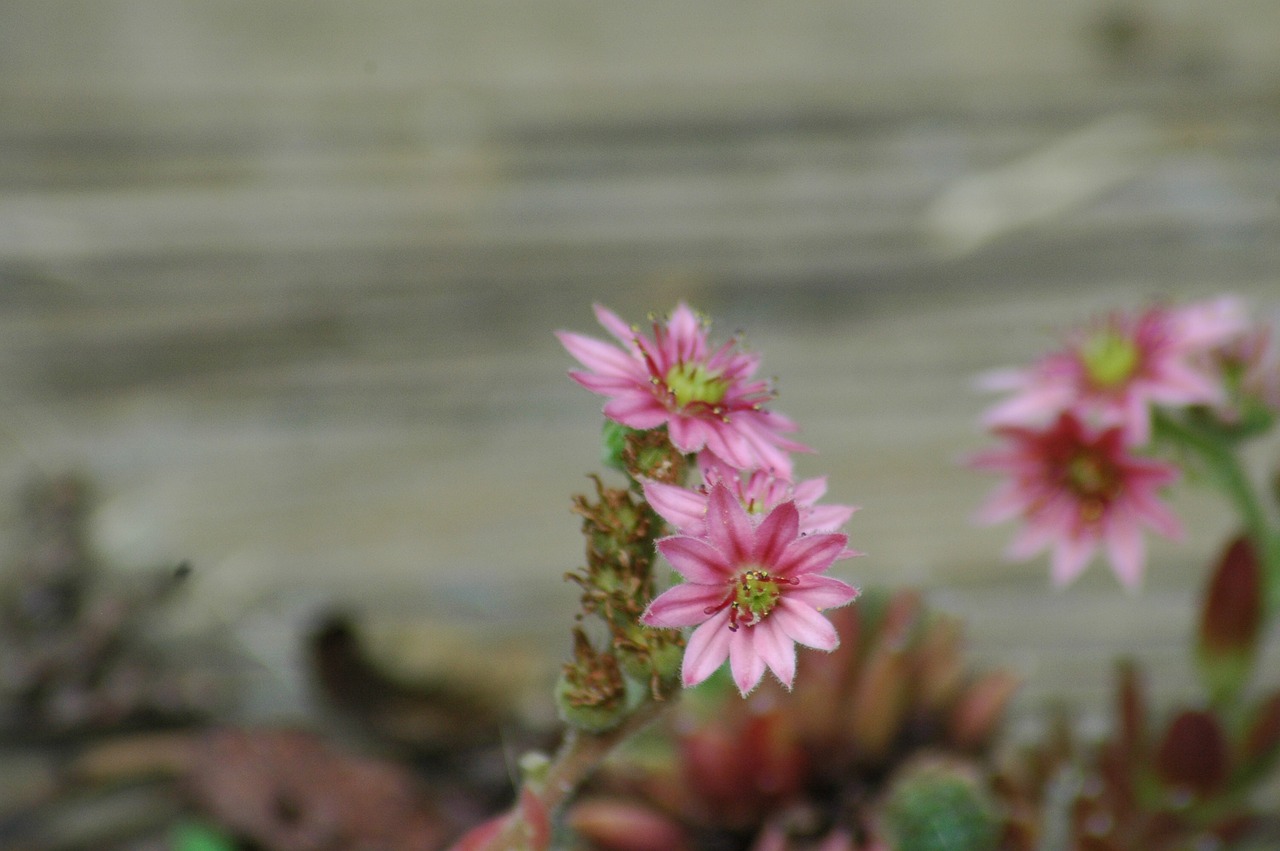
[292, 310]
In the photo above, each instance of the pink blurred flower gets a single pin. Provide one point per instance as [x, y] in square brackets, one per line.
[759, 491]
[706, 397]
[1250, 368]
[1111, 373]
[753, 590]
[1078, 489]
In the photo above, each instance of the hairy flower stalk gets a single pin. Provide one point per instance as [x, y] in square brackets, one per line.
[617, 583]
[606, 693]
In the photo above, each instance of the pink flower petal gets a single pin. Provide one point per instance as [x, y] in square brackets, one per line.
[683, 605]
[776, 650]
[1001, 380]
[729, 528]
[1035, 405]
[803, 625]
[1126, 550]
[696, 560]
[729, 444]
[1158, 516]
[1006, 502]
[745, 662]
[637, 410]
[599, 356]
[686, 335]
[611, 322]
[775, 533]
[1031, 539]
[687, 434]
[762, 433]
[809, 491]
[810, 554]
[823, 592]
[684, 509]
[708, 648]
[826, 518]
[604, 385]
[1070, 557]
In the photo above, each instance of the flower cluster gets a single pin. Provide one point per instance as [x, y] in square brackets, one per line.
[1082, 427]
[752, 544]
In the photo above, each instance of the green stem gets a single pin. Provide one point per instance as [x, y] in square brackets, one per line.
[1228, 474]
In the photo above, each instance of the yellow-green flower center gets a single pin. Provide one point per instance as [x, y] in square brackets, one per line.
[691, 383]
[1094, 482]
[754, 596]
[1110, 359]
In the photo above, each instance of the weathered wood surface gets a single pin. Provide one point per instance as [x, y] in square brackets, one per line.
[306, 342]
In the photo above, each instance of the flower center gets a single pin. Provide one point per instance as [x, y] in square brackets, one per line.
[753, 596]
[1094, 483]
[1110, 359]
[690, 383]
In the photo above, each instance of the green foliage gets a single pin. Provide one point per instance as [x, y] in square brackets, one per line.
[198, 836]
[940, 808]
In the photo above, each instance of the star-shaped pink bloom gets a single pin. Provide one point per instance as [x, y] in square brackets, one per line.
[1078, 489]
[759, 491]
[1113, 372]
[753, 592]
[706, 397]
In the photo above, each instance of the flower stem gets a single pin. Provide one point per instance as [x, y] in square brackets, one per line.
[579, 755]
[1228, 474]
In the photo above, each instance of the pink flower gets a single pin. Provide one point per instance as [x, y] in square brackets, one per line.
[1248, 365]
[759, 491]
[753, 591]
[1078, 489]
[707, 398]
[1113, 372]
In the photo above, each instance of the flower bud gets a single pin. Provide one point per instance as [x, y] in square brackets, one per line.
[613, 441]
[650, 455]
[1193, 759]
[656, 657]
[1230, 622]
[591, 693]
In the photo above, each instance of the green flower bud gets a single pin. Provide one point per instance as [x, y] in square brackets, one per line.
[613, 441]
[591, 694]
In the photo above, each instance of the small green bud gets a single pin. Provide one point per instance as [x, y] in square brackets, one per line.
[584, 715]
[534, 766]
[591, 693]
[658, 653]
[613, 440]
[650, 455]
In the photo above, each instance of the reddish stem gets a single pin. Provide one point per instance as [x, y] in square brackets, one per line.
[579, 755]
